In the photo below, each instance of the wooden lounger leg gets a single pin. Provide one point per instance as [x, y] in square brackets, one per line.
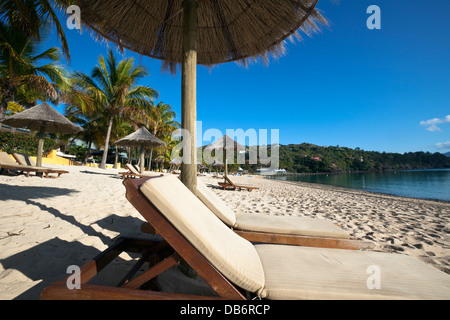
[153, 272]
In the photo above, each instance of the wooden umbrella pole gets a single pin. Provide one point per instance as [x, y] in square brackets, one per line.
[40, 149]
[189, 92]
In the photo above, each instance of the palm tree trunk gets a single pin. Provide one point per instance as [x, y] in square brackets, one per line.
[150, 160]
[151, 152]
[87, 153]
[3, 107]
[105, 150]
[116, 158]
[8, 94]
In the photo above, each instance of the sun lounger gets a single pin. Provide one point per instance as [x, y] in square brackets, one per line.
[310, 232]
[25, 160]
[237, 269]
[133, 173]
[228, 183]
[7, 163]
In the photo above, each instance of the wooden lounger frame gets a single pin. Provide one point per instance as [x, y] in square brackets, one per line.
[26, 170]
[173, 249]
[23, 169]
[32, 166]
[305, 241]
[290, 239]
[132, 173]
[230, 184]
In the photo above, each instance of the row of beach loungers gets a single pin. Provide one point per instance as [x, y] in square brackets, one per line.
[22, 162]
[249, 256]
[133, 172]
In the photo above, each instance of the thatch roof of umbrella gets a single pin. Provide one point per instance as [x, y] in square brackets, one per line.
[176, 162]
[42, 117]
[225, 143]
[217, 164]
[141, 137]
[228, 30]
[206, 32]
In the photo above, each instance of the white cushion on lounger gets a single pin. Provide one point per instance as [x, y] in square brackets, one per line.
[266, 223]
[215, 204]
[290, 225]
[233, 256]
[293, 272]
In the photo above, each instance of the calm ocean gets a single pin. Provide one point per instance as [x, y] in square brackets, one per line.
[425, 184]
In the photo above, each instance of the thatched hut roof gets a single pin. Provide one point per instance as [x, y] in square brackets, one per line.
[217, 164]
[141, 137]
[228, 30]
[176, 162]
[225, 143]
[42, 116]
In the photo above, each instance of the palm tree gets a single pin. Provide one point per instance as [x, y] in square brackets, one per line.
[23, 79]
[91, 124]
[160, 119]
[29, 16]
[112, 86]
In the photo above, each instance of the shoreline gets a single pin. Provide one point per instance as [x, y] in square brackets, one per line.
[358, 189]
[344, 189]
[47, 225]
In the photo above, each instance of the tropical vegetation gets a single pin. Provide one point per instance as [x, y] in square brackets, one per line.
[108, 103]
[25, 74]
[310, 158]
[15, 142]
[112, 91]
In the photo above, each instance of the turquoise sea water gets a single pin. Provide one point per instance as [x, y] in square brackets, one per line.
[424, 184]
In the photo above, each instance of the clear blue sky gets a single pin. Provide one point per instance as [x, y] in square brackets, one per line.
[347, 86]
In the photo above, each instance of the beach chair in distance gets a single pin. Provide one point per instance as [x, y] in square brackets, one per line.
[134, 173]
[237, 269]
[311, 232]
[25, 160]
[7, 163]
[228, 183]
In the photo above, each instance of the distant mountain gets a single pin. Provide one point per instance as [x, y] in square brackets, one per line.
[311, 158]
[447, 154]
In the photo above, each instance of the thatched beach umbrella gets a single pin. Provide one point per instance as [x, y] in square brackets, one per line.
[141, 138]
[228, 146]
[206, 32]
[44, 119]
[175, 163]
[217, 164]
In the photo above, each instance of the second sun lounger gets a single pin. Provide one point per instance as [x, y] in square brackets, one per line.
[7, 163]
[25, 160]
[311, 232]
[230, 184]
[236, 269]
[133, 173]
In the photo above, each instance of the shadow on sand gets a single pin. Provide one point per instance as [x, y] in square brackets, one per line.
[48, 261]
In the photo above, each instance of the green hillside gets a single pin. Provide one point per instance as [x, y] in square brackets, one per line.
[309, 158]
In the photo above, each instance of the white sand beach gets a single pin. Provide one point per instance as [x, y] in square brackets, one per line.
[47, 225]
